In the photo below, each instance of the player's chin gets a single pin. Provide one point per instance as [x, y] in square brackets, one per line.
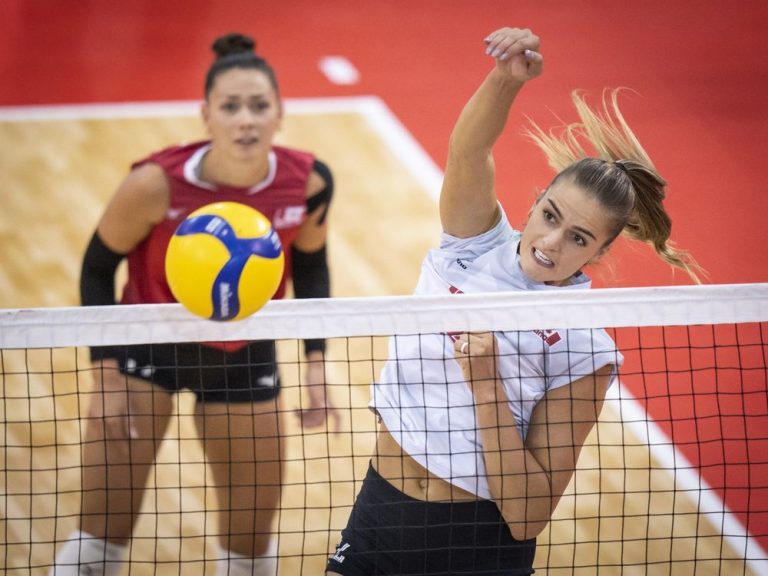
[248, 147]
[244, 151]
[538, 273]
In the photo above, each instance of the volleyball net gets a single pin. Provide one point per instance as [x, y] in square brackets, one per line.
[672, 480]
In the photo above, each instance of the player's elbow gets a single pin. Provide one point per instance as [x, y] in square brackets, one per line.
[526, 522]
[526, 530]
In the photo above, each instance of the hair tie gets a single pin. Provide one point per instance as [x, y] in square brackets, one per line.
[621, 166]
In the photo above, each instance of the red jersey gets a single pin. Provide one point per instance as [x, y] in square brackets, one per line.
[281, 197]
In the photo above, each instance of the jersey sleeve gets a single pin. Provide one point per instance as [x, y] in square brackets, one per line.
[581, 353]
[474, 246]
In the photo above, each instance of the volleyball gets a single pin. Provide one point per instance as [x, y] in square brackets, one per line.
[224, 261]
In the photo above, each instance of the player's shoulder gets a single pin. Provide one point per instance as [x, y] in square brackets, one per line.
[305, 166]
[294, 156]
[321, 184]
[148, 182]
[173, 156]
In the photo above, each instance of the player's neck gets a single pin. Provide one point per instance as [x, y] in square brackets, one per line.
[223, 170]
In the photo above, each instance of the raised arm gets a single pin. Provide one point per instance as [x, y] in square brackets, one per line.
[468, 204]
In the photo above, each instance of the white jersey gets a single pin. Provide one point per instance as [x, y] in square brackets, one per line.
[422, 396]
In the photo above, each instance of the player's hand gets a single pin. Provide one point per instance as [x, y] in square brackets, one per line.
[477, 354]
[517, 53]
[112, 406]
[321, 408]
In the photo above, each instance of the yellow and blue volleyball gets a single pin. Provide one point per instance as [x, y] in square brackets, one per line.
[224, 261]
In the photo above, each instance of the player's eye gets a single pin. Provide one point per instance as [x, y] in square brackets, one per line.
[259, 106]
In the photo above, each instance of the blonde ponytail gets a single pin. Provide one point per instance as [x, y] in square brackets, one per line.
[618, 172]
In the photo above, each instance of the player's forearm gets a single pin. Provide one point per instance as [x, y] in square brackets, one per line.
[315, 371]
[483, 118]
[468, 204]
[519, 484]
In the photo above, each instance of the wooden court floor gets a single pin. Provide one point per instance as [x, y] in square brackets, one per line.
[629, 519]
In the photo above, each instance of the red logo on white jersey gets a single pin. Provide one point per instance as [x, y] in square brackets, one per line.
[453, 290]
[551, 337]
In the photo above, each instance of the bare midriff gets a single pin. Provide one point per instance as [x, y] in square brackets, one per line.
[410, 477]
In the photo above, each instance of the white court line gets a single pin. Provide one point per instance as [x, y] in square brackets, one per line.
[117, 111]
[421, 166]
[686, 479]
[389, 128]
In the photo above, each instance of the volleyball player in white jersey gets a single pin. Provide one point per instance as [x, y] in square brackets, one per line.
[480, 433]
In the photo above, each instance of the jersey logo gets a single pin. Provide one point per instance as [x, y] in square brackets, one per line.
[288, 217]
[268, 380]
[453, 290]
[132, 367]
[174, 213]
[551, 337]
[339, 557]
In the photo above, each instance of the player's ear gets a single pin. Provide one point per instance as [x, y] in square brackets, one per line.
[205, 111]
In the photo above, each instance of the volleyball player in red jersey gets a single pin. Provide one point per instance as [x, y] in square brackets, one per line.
[237, 384]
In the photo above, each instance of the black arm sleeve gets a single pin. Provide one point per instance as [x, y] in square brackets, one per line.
[97, 284]
[311, 279]
[322, 198]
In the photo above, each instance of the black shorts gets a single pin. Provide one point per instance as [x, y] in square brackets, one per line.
[391, 533]
[214, 375]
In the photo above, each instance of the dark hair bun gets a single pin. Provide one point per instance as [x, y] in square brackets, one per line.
[233, 43]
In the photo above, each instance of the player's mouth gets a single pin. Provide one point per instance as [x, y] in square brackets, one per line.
[249, 141]
[541, 259]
